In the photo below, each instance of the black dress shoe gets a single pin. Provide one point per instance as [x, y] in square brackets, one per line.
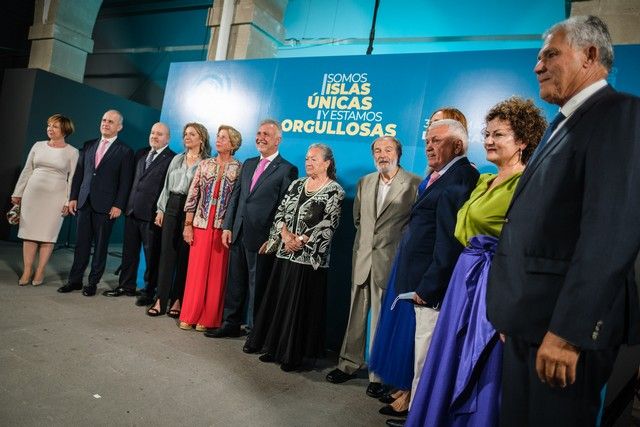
[395, 423]
[89, 291]
[388, 410]
[376, 390]
[69, 287]
[337, 376]
[267, 358]
[247, 348]
[225, 331]
[143, 301]
[387, 398]
[119, 291]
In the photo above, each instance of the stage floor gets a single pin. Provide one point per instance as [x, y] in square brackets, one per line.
[71, 360]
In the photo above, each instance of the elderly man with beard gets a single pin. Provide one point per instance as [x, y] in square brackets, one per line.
[380, 211]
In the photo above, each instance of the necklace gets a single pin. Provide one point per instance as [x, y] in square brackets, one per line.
[192, 156]
[310, 193]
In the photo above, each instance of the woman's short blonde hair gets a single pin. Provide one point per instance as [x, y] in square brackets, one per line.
[234, 136]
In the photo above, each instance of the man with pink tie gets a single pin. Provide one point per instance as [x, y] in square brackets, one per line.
[99, 192]
[263, 182]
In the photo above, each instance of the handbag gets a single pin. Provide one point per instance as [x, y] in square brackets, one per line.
[13, 215]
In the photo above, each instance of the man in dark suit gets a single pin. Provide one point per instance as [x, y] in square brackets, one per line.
[431, 227]
[263, 183]
[139, 229]
[429, 250]
[99, 193]
[561, 287]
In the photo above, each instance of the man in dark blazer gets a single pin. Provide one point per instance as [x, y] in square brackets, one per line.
[99, 192]
[429, 237]
[262, 185]
[429, 250]
[139, 229]
[561, 287]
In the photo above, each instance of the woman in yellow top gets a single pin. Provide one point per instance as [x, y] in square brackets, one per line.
[460, 382]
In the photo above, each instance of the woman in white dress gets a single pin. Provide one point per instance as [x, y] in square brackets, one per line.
[42, 192]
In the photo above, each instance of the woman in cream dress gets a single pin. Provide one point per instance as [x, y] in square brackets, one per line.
[42, 192]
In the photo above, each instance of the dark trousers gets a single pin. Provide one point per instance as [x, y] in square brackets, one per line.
[526, 401]
[93, 228]
[140, 234]
[174, 252]
[246, 282]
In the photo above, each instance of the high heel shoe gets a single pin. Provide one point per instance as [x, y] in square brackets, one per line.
[185, 326]
[155, 312]
[37, 282]
[21, 283]
[201, 328]
[174, 312]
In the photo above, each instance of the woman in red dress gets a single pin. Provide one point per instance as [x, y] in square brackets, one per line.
[205, 208]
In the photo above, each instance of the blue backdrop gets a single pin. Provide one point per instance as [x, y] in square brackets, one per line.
[348, 101]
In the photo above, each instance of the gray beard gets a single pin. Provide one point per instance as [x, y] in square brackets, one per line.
[388, 168]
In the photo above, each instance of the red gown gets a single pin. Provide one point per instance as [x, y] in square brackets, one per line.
[203, 299]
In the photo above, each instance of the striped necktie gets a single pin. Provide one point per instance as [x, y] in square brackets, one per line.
[150, 157]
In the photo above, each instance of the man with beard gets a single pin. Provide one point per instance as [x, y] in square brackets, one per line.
[380, 211]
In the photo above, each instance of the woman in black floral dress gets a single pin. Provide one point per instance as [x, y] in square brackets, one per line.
[290, 324]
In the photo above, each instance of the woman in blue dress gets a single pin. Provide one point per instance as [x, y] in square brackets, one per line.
[460, 381]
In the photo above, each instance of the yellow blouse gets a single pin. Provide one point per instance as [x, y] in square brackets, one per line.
[484, 212]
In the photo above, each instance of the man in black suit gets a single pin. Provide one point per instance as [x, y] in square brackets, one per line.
[99, 193]
[263, 183]
[429, 250]
[561, 287]
[139, 229]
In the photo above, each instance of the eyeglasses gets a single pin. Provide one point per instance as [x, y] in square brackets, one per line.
[497, 135]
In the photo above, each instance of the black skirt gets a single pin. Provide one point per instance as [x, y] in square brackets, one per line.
[290, 324]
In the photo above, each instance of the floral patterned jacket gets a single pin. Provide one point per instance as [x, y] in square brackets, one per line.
[200, 197]
[317, 218]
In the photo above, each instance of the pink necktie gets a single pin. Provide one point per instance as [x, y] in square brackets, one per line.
[434, 176]
[101, 150]
[261, 167]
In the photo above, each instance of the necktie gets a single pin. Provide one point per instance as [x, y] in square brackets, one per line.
[261, 167]
[547, 134]
[102, 148]
[150, 157]
[434, 176]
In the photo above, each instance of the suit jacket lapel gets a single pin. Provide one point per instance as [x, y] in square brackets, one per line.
[271, 167]
[112, 149]
[556, 139]
[155, 162]
[91, 153]
[248, 169]
[369, 198]
[440, 181]
[396, 188]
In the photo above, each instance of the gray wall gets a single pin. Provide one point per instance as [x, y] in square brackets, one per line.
[29, 97]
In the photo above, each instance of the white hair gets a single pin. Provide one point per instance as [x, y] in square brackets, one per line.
[456, 130]
[584, 31]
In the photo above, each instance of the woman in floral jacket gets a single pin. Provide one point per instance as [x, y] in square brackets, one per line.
[290, 324]
[205, 208]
